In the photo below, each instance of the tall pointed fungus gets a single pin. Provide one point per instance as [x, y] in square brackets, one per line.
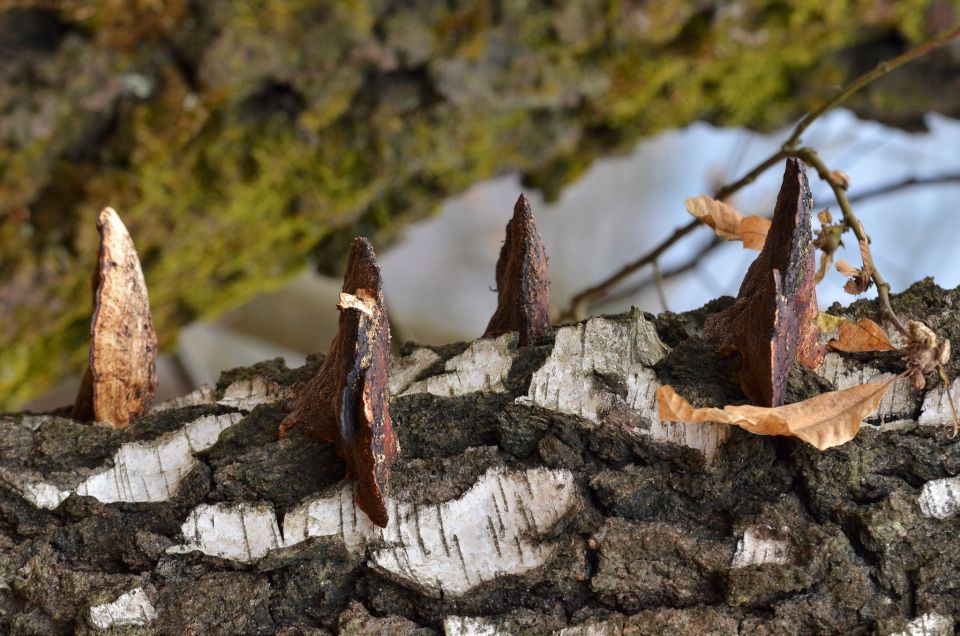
[523, 281]
[122, 377]
[347, 402]
[773, 321]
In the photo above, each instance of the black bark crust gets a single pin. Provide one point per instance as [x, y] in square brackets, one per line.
[648, 547]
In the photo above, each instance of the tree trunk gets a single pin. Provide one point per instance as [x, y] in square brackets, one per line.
[536, 492]
[240, 140]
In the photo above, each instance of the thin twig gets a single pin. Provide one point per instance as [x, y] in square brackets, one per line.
[909, 182]
[810, 156]
[582, 301]
[882, 69]
[661, 292]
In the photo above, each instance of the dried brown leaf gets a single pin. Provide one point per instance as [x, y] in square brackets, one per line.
[753, 231]
[825, 217]
[722, 217]
[824, 421]
[122, 377]
[861, 336]
[846, 268]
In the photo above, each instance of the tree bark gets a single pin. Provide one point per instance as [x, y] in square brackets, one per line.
[536, 492]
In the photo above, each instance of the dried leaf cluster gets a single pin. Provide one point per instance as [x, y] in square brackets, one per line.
[924, 352]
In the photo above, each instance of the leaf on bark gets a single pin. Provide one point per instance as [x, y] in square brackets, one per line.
[347, 402]
[728, 222]
[824, 421]
[861, 336]
[523, 281]
[122, 375]
[774, 320]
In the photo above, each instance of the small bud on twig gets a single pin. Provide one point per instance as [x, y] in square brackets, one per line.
[347, 402]
[523, 281]
[774, 320]
[122, 377]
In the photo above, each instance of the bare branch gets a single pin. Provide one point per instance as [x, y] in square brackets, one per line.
[599, 292]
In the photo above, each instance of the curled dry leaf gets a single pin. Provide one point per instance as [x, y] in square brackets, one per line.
[753, 230]
[824, 421]
[728, 222]
[773, 321]
[861, 336]
[523, 281]
[347, 402]
[122, 377]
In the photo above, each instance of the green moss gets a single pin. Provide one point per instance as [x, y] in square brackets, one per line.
[274, 131]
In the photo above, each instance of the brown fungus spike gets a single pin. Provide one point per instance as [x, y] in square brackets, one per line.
[523, 281]
[773, 321]
[122, 377]
[347, 402]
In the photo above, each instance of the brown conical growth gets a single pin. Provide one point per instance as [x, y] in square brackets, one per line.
[523, 281]
[773, 321]
[122, 377]
[347, 402]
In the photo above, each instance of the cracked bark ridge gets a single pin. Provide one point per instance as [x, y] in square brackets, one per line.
[523, 281]
[122, 377]
[346, 403]
[773, 321]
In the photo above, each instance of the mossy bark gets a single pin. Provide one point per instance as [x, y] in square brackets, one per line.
[239, 140]
[771, 537]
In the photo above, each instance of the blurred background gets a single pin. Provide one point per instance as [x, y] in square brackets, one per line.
[245, 143]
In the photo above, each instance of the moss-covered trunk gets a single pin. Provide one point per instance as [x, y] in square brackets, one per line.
[238, 139]
[535, 494]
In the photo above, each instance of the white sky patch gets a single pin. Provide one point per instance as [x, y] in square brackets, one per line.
[131, 608]
[250, 393]
[753, 549]
[489, 531]
[570, 381]
[940, 498]
[149, 471]
[482, 367]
